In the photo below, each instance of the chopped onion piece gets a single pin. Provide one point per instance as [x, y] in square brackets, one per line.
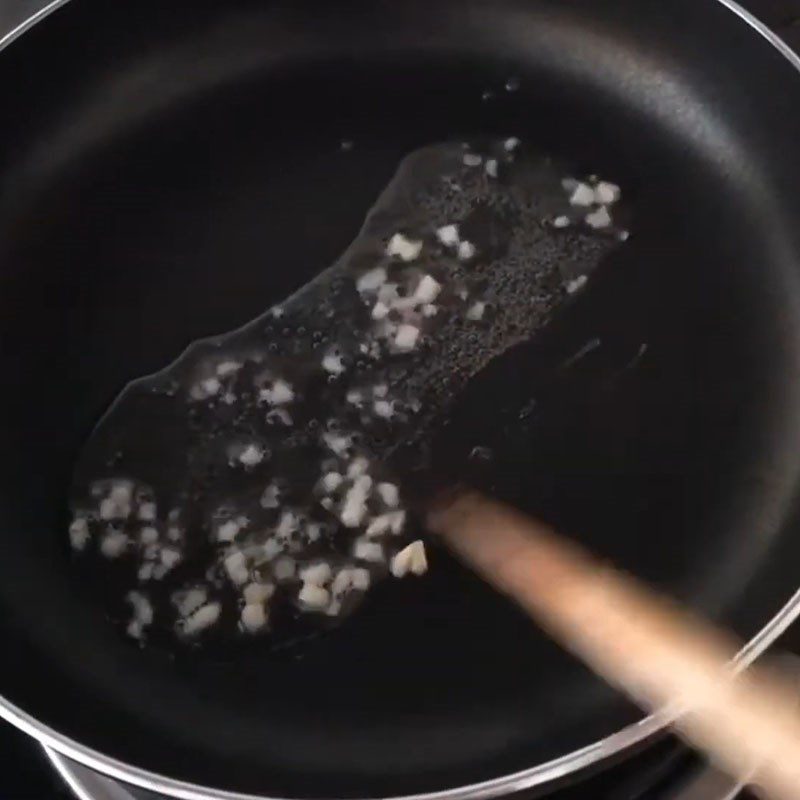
[366, 550]
[135, 629]
[427, 290]
[577, 284]
[599, 219]
[466, 250]
[410, 559]
[607, 193]
[371, 281]
[141, 606]
[475, 311]
[271, 548]
[228, 530]
[582, 195]
[379, 525]
[343, 582]
[151, 551]
[109, 509]
[189, 600]
[148, 535]
[337, 442]
[331, 481]
[406, 249]
[448, 235]
[113, 544]
[236, 567]
[253, 617]
[313, 532]
[79, 533]
[334, 608]
[227, 368]
[313, 597]
[355, 398]
[142, 614]
[398, 521]
[284, 568]
[121, 493]
[472, 160]
[112, 507]
[357, 467]
[360, 578]
[287, 525]
[317, 574]
[389, 493]
[380, 310]
[388, 293]
[333, 364]
[251, 456]
[170, 557]
[207, 388]
[355, 502]
[406, 338]
[383, 409]
[198, 621]
[174, 533]
[270, 497]
[279, 394]
[257, 593]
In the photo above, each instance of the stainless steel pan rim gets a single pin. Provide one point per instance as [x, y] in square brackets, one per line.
[58, 745]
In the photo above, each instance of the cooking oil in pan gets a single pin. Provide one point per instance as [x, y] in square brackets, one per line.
[260, 483]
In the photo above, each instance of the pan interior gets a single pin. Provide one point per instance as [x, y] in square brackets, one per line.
[170, 175]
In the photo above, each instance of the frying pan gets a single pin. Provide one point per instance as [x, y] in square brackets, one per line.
[169, 170]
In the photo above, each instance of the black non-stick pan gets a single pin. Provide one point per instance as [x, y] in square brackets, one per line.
[169, 170]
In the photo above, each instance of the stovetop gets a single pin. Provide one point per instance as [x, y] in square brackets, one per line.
[661, 772]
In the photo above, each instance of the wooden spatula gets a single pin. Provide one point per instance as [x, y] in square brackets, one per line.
[660, 655]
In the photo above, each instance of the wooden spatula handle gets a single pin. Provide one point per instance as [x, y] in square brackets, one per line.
[663, 657]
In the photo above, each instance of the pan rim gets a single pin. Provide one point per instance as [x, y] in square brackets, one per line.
[59, 747]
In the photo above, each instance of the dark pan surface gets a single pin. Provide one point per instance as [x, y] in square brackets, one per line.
[170, 171]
